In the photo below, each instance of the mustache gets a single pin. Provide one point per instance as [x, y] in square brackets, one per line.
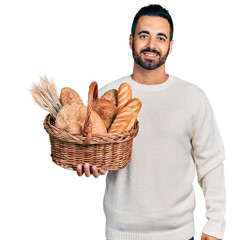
[150, 50]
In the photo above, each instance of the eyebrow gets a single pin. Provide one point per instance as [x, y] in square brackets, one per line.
[143, 31]
[162, 34]
[147, 32]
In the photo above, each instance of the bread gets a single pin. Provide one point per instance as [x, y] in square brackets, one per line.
[124, 95]
[111, 95]
[115, 112]
[106, 110]
[69, 96]
[122, 120]
[98, 125]
[132, 121]
[70, 116]
[135, 105]
[74, 128]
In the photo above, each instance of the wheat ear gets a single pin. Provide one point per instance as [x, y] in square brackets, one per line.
[46, 96]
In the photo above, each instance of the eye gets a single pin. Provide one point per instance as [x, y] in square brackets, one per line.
[143, 36]
[161, 39]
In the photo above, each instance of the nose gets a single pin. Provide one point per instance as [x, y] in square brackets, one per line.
[151, 43]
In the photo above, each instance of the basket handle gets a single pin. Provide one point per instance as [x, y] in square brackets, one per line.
[92, 95]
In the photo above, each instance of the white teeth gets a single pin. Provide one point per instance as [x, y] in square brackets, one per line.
[151, 55]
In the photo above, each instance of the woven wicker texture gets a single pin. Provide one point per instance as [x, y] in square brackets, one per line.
[111, 151]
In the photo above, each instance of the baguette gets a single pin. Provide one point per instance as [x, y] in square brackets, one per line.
[135, 105]
[122, 120]
[124, 95]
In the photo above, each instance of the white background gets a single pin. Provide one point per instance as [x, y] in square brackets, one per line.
[76, 43]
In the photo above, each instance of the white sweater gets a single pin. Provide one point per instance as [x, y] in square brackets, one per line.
[153, 198]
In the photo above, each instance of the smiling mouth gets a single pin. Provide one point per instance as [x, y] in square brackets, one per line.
[150, 54]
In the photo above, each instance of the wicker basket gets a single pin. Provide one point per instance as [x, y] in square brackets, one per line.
[111, 151]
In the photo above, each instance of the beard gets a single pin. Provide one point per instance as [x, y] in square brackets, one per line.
[149, 64]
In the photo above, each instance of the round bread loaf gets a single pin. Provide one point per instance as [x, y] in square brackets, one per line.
[70, 116]
[74, 128]
[111, 95]
[69, 96]
[106, 110]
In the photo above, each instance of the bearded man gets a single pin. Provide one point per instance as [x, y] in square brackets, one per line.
[153, 197]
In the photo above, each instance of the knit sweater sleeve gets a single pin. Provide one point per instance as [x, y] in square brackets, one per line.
[208, 154]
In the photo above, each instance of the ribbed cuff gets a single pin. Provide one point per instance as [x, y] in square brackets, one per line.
[214, 229]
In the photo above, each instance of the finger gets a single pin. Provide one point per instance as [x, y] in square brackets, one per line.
[87, 170]
[79, 170]
[102, 171]
[95, 171]
[203, 236]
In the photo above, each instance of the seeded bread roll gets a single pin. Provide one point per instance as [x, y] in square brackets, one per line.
[111, 95]
[122, 120]
[106, 110]
[71, 118]
[135, 105]
[124, 94]
[69, 96]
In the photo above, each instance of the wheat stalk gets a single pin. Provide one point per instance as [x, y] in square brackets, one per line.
[46, 96]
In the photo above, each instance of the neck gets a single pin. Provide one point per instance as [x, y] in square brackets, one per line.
[149, 77]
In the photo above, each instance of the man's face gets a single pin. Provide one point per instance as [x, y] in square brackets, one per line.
[151, 42]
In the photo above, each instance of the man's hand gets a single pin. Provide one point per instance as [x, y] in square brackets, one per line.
[207, 237]
[88, 170]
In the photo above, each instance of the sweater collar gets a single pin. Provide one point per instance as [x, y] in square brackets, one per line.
[151, 88]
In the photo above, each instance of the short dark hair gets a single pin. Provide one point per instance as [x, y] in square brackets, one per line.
[152, 10]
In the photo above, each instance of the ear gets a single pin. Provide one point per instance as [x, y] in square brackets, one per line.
[171, 47]
[130, 41]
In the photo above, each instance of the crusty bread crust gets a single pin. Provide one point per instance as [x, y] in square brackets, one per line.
[135, 105]
[69, 96]
[124, 95]
[106, 110]
[111, 95]
[122, 120]
[70, 115]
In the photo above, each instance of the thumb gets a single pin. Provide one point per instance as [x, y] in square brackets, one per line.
[203, 236]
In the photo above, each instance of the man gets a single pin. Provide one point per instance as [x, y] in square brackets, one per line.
[153, 197]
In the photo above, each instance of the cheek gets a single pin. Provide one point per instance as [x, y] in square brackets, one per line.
[164, 49]
[139, 45]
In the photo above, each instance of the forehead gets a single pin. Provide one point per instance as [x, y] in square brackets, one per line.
[153, 24]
